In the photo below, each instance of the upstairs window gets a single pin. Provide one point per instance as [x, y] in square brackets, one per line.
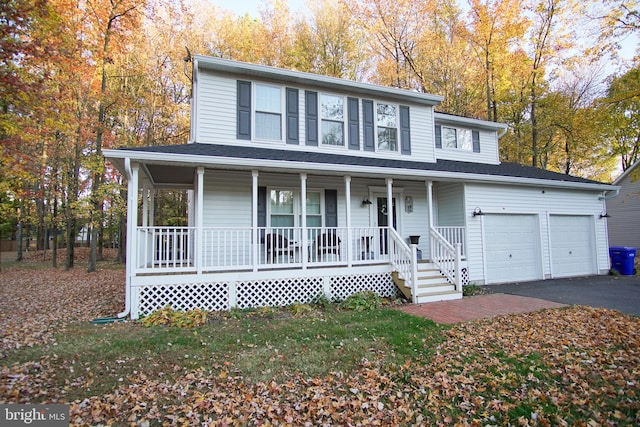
[387, 125]
[268, 112]
[457, 139]
[332, 110]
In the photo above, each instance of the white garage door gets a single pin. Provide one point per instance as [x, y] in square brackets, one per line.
[511, 248]
[572, 245]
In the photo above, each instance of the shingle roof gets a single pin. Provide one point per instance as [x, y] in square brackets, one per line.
[505, 169]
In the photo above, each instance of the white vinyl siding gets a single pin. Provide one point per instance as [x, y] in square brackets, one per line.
[543, 202]
[216, 109]
[449, 204]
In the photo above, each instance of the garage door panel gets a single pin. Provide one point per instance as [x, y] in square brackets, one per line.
[572, 245]
[511, 248]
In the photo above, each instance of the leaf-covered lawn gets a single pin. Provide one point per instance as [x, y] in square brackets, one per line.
[574, 366]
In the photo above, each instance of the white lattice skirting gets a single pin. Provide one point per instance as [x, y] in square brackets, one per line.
[224, 295]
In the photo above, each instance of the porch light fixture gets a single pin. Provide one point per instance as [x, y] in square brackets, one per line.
[366, 202]
[604, 214]
[477, 212]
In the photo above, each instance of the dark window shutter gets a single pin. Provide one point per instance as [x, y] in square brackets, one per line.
[368, 125]
[311, 117]
[476, 141]
[354, 123]
[292, 116]
[405, 130]
[330, 208]
[438, 136]
[262, 211]
[244, 110]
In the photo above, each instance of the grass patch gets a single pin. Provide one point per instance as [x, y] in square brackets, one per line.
[259, 345]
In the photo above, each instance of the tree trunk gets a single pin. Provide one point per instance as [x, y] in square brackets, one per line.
[54, 229]
[534, 125]
[19, 237]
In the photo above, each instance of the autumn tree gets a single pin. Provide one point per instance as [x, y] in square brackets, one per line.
[327, 42]
[622, 106]
[495, 28]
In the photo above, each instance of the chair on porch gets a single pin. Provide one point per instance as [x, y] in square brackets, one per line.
[277, 245]
[326, 243]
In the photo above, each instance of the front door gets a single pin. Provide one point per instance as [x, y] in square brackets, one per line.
[383, 221]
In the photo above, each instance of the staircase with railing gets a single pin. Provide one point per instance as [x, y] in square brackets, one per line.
[431, 280]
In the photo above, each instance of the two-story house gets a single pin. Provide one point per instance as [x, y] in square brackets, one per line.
[303, 185]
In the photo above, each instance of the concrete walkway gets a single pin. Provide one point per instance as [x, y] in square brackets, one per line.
[478, 307]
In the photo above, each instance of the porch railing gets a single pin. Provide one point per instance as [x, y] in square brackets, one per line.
[446, 257]
[164, 249]
[404, 260]
[454, 235]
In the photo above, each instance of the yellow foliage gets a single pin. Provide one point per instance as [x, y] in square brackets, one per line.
[181, 319]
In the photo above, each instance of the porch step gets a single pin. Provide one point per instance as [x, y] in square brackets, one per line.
[431, 284]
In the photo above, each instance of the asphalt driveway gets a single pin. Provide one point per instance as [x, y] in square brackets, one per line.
[620, 293]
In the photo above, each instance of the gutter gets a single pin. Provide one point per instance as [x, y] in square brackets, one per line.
[610, 196]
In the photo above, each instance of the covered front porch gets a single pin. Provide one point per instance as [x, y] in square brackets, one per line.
[359, 244]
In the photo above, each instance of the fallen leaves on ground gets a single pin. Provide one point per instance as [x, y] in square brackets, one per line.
[36, 302]
[573, 366]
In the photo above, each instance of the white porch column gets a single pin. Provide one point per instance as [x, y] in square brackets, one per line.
[389, 213]
[347, 196]
[254, 219]
[132, 254]
[430, 202]
[303, 211]
[390, 201]
[199, 245]
[152, 207]
[145, 204]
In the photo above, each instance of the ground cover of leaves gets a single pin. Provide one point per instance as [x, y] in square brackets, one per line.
[38, 301]
[573, 366]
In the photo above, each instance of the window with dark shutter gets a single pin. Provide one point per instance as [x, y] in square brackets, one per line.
[354, 123]
[330, 208]
[311, 117]
[438, 136]
[243, 110]
[476, 141]
[368, 125]
[292, 116]
[405, 130]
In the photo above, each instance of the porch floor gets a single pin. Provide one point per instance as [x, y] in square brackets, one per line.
[478, 307]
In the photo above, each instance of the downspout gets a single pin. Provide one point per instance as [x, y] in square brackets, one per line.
[127, 293]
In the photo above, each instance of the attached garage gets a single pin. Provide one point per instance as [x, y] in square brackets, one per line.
[573, 249]
[512, 248]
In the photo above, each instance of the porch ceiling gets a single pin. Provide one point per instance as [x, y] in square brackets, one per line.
[170, 176]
